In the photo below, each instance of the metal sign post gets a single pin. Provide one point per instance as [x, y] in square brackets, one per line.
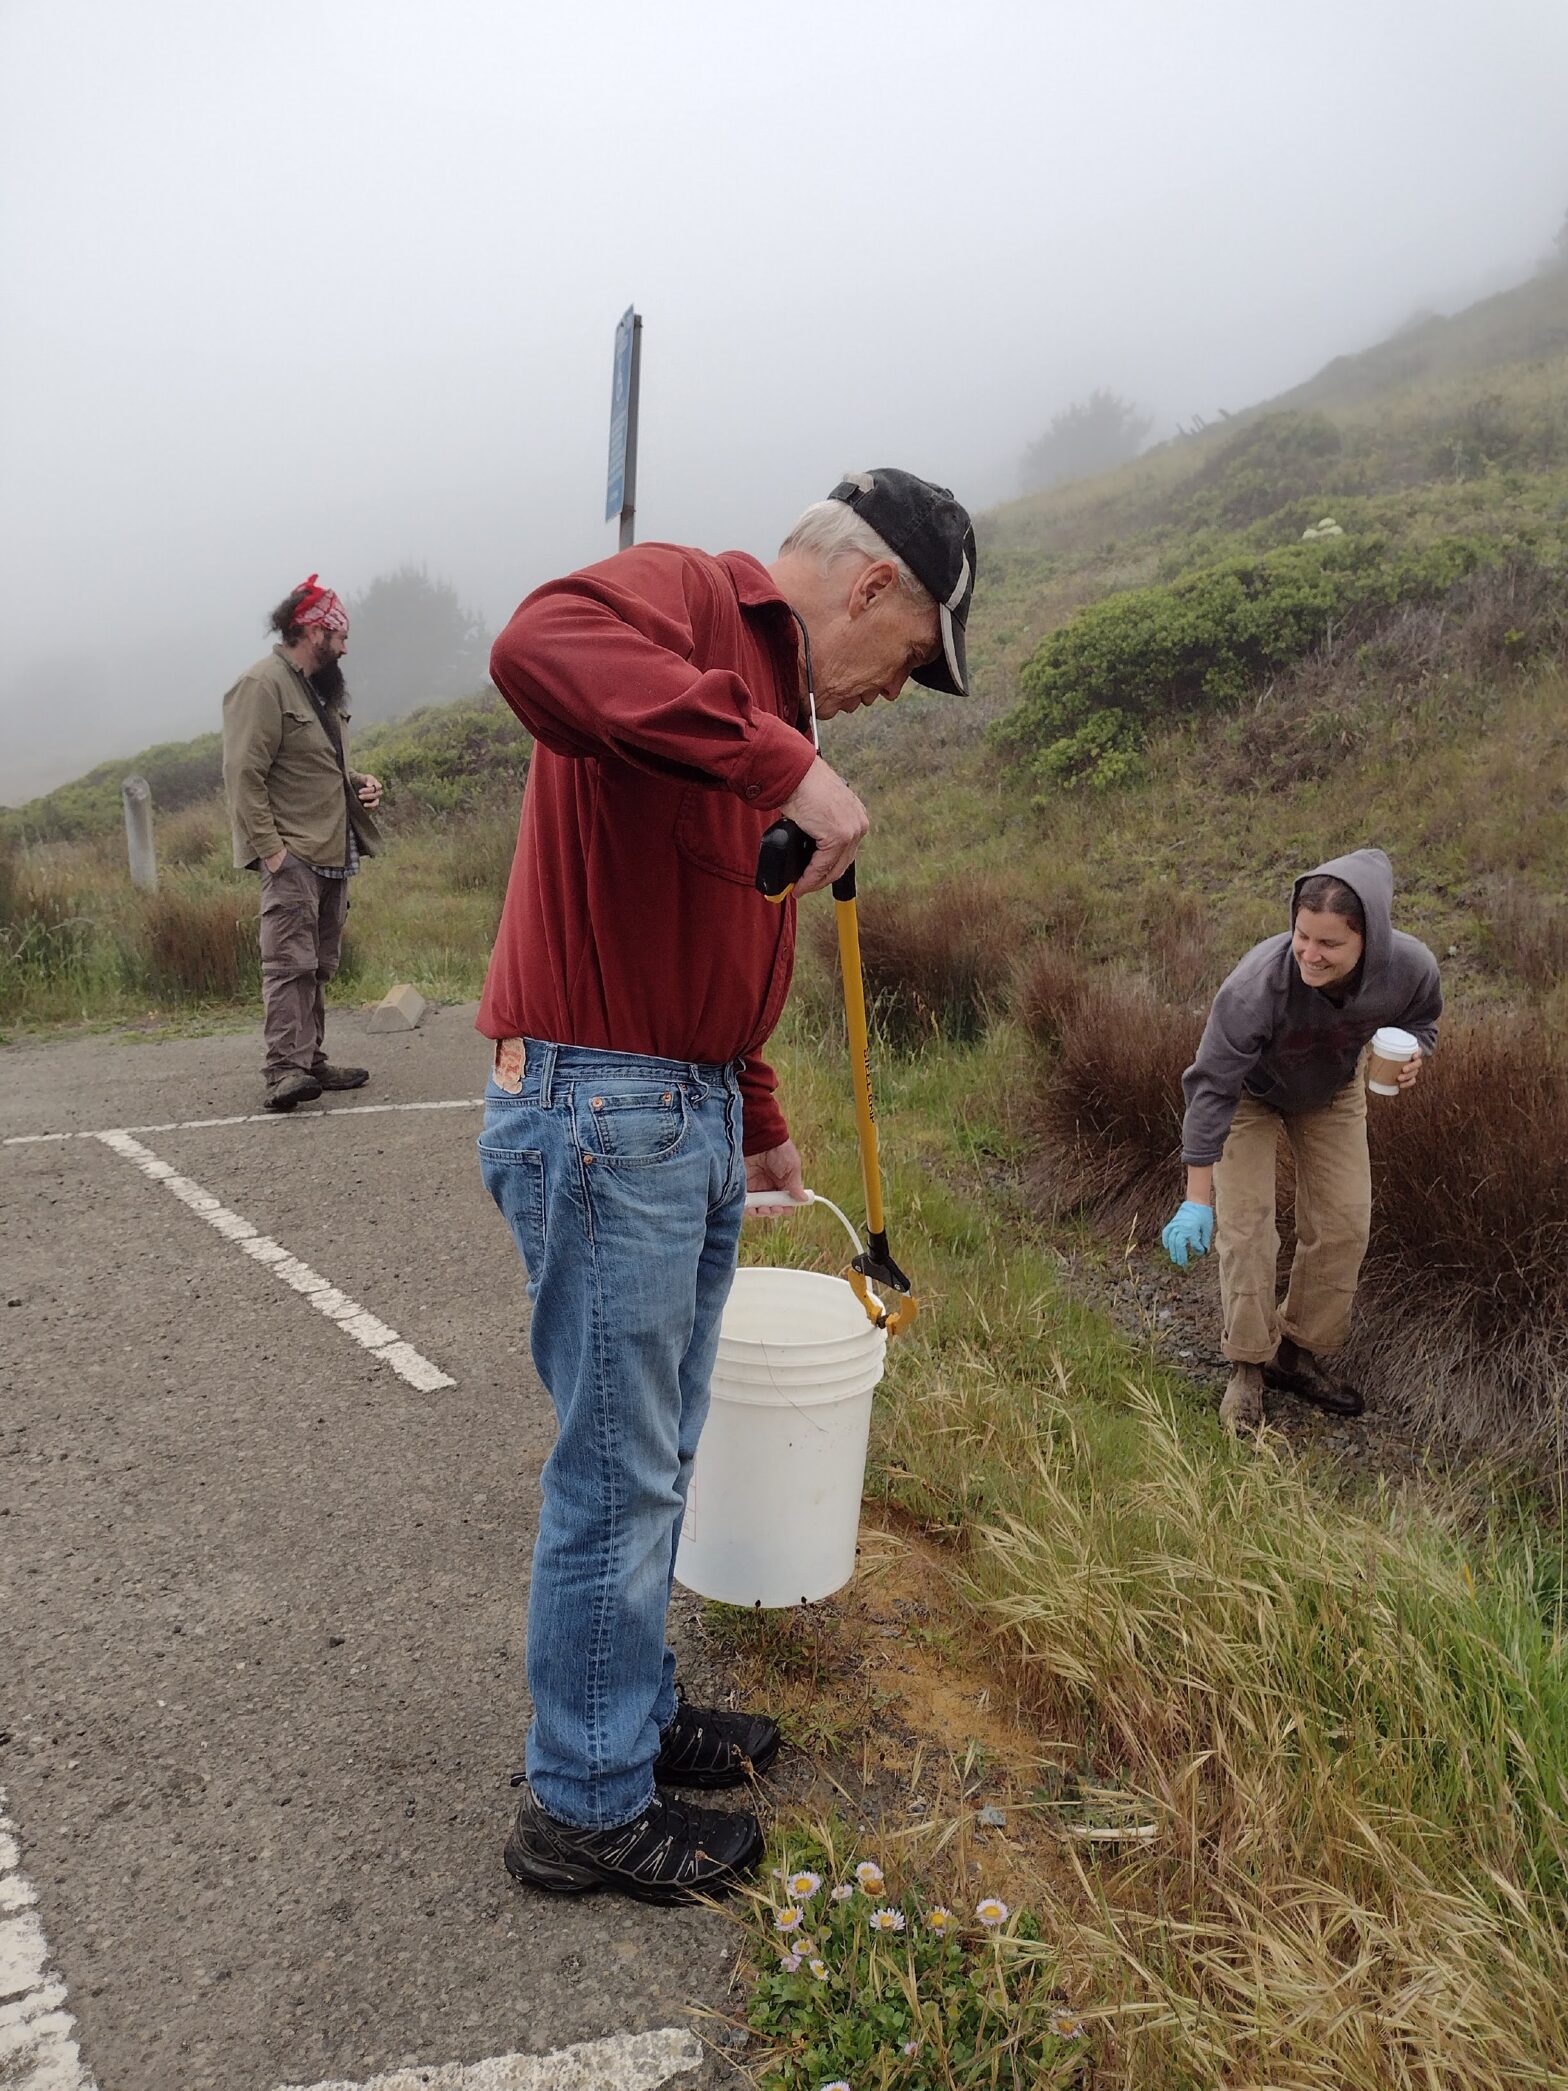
[621, 489]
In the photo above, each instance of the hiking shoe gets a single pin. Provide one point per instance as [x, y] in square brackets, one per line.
[704, 1746]
[1241, 1405]
[1297, 1371]
[673, 1852]
[331, 1077]
[291, 1087]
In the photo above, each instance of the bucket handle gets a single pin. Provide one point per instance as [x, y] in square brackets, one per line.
[778, 1203]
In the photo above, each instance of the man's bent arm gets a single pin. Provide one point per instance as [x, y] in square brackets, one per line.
[599, 664]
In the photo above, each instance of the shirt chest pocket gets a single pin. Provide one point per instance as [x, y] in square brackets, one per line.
[718, 834]
[301, 728]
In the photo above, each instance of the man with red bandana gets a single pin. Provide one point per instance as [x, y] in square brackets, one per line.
[303, 819]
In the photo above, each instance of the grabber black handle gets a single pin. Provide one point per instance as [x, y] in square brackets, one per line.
[786, 851]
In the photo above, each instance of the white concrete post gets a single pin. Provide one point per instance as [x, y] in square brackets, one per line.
[137, 795]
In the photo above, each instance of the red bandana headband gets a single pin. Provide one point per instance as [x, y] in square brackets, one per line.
[318, 606]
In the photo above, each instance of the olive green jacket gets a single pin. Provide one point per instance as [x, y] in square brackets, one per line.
[287, 786]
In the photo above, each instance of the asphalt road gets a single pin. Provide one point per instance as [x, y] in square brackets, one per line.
[261, 1664]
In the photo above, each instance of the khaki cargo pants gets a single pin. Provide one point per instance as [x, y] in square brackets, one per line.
[302, 918]
[1333, 1220]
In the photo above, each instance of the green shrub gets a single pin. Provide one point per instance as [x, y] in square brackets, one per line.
[1094, 687]
[1277, 458]
[448, 756]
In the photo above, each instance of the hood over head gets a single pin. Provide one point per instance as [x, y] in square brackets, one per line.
[1370, 876]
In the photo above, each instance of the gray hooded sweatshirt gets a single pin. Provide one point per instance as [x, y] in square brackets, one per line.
[1290, 1045]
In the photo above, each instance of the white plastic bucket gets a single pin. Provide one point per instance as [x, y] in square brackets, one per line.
[773, 1511]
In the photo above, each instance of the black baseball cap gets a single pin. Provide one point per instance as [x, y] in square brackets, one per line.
[934, 537]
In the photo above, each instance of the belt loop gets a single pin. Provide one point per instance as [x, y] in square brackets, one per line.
[546, 1076]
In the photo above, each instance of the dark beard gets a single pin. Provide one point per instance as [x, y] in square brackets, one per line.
[329, 686]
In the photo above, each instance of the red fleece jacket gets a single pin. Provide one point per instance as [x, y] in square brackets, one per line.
[662, 688]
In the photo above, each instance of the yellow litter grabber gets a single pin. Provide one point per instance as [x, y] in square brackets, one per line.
[786, 851]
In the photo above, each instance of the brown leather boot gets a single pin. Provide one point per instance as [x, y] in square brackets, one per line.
[1241, 1405]
[1297, 1371]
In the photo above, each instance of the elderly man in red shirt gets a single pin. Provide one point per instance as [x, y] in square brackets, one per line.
[636, 975]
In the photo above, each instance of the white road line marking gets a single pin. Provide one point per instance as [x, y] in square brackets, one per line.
[38, 2049]
[624, 2062]
[199, 1125]
[354, 1320]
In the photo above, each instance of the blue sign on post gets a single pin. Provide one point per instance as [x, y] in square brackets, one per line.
[620, 413]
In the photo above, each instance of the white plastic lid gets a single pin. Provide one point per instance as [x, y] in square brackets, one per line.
[1393, 1044]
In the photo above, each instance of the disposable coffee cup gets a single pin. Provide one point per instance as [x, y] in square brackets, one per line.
[1391, 1050]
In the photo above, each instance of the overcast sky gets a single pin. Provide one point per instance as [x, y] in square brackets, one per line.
[334, 286]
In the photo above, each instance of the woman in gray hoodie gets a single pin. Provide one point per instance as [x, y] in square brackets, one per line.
[1283, 1047]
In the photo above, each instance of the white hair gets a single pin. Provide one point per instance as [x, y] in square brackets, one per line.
[831, 531]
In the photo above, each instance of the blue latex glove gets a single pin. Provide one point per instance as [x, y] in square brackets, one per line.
[1191, 1233]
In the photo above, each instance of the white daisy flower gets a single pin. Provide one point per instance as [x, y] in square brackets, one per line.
[843, 1891]
[1066, 2025]
[885, 1919]
[941, 1920]
[869, 1875]
[789, 1919]
[991, 1912]
[819, 1968]
[911, 2047]
[838, 2084]
[789, 1962]
[800, 1887]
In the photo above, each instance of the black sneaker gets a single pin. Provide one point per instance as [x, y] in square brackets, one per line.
[1297, 1371]
[673, 1852]
[703, 1746]
[331, 1077]
[291, 1087]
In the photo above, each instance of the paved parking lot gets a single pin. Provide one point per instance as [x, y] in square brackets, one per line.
[269, 1443]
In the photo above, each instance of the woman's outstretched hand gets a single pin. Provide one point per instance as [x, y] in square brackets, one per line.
[1191, 1233]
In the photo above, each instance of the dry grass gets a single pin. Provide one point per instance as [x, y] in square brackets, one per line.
[197, 834]
[1465, 1319]
[935, 965]
[1527, 934]
[1351, 1747]
[201, 944]
[1106, 1117]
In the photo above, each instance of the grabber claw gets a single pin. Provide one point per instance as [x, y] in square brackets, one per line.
[879, 1316]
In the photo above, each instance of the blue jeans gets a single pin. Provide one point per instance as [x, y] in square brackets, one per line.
[623, 1181]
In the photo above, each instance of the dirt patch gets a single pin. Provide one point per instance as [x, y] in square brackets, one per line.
[901, 1727]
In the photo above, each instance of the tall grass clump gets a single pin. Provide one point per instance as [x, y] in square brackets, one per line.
[51, 941]
[199, 943]
[1350, 1736]
[935, 965]
[1106, 1111]
[1466, 1283]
